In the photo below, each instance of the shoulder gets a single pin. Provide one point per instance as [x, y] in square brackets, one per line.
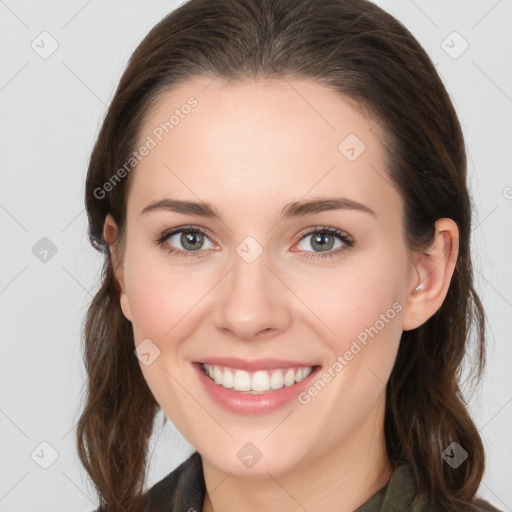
[182, 489]
[401, 494]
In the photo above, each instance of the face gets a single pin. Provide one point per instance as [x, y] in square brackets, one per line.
[319, 288]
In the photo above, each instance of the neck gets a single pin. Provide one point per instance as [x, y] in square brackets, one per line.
[338, 481]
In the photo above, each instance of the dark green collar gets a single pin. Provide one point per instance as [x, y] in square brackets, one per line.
[184, 489]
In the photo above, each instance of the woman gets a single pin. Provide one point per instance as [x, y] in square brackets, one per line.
[279, 191]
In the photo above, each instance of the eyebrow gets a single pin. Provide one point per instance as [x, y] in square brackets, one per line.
[294, 209]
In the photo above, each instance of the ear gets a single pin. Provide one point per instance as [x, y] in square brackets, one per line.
[430, 275]
[110, 234]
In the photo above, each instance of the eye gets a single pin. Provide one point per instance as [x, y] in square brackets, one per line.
[191, 239]
[324, 240]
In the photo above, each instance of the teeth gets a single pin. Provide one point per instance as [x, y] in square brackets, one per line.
[242, 381]
[260, 381]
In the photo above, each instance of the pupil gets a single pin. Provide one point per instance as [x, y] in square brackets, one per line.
[320, 237]
[187, 240]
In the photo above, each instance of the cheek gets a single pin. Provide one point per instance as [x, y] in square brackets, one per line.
[161, 304]
[151, 316]
[159, 297]
[363, 311]
[361, 303]
[167, 304]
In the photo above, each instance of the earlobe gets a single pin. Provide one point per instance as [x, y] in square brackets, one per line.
[110, 233]
[125, 306]
[430, 275]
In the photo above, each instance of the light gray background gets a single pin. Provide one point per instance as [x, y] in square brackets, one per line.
[51, 110]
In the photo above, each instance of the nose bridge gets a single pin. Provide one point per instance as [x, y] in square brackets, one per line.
[252, 299]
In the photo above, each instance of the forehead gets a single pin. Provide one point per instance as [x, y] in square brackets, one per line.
[253, 142]
[240, 111]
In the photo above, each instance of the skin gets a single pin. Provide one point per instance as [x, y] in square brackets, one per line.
[248, 149]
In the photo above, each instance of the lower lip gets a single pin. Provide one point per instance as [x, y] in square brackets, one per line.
[252, 404]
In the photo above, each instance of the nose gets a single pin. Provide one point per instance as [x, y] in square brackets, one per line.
[253, 301]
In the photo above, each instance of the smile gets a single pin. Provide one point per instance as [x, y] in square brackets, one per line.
[261, 381]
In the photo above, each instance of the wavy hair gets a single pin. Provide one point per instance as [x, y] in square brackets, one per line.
[370, 58]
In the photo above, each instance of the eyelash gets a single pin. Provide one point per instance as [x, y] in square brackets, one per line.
[344, 237]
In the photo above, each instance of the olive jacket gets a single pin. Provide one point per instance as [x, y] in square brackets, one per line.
[183, 490]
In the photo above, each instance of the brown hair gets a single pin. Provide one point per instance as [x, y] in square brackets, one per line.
[369, 57]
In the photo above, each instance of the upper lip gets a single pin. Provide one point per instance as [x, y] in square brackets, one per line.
[254, 364]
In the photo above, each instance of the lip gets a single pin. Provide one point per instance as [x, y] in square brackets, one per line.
[255, 364]
[253, 404]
